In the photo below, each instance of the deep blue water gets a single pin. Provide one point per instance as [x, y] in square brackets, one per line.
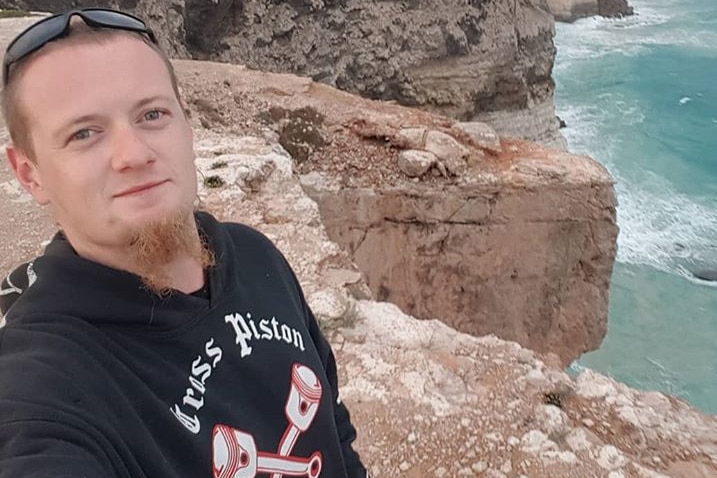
[640, 96]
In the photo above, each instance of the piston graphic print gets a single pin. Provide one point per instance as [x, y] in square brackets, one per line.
[235, 452]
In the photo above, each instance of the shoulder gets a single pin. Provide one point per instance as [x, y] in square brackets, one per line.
[15, 284]
[37, 362]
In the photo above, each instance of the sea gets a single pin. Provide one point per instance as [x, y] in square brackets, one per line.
[639, 95]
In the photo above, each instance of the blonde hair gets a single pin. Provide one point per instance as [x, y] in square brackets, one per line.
[80, 34]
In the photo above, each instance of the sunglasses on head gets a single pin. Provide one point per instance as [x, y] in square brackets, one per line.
[58, 26]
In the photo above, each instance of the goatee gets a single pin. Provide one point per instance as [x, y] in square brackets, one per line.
[159, 243]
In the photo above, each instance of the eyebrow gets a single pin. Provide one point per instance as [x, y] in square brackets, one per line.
[152, 99]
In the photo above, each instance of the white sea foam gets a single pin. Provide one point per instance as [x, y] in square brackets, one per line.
[659, 226]
[666, 230]
[655, 24]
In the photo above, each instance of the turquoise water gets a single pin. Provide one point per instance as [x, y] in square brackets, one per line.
[640, 96]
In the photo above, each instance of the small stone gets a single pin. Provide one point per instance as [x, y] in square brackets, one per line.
[535, 441]
[480, 134]
[593, 385]
[551, 419]
[404, 466]
[411, 437]
[513, 441]
[479, 466]
[588, 423]
[415, 163]
[410, 138]
[450, 152]
[440, 472]
[610, 458]
[465, 422]
[563, 456]
[328, 304]
[495, 474]
[578, 440]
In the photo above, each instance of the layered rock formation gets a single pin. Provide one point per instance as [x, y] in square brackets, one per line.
[571, 10]
[489, 61]
[504, 238]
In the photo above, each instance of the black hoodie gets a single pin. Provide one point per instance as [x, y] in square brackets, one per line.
[100, 378]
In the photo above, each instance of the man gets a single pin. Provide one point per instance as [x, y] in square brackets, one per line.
[149, 340]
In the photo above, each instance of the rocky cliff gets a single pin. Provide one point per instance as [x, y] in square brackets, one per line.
[488, 61]
[571, 10]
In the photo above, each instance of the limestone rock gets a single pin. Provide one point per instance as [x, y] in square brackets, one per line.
[415, 163]
[614, 8]
[411, 138]
[462, 384]
[571, 10]
[449, 151]
[480, 135]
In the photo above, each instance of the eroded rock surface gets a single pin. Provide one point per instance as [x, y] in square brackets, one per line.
[519, 242]
[489, 61]
[571, 10]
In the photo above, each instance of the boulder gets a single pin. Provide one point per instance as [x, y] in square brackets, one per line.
[415, 163]
[614, 8]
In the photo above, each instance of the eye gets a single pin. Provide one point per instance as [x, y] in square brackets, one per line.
[82, 134]
[153, 115]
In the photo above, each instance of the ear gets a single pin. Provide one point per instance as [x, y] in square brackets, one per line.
[27, 174]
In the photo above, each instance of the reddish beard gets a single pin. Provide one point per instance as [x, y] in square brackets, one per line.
[159, 243]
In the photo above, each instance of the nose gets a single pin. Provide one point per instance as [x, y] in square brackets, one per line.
[130, 150]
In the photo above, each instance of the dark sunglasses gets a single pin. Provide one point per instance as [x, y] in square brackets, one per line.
[58, 26]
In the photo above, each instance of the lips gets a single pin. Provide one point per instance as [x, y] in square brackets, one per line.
[140, 188]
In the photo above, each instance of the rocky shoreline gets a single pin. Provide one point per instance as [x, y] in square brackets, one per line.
[571, 10]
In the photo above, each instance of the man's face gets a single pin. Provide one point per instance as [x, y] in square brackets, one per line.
[113, 149]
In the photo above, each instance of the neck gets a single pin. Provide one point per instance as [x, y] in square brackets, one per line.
[186, 274]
